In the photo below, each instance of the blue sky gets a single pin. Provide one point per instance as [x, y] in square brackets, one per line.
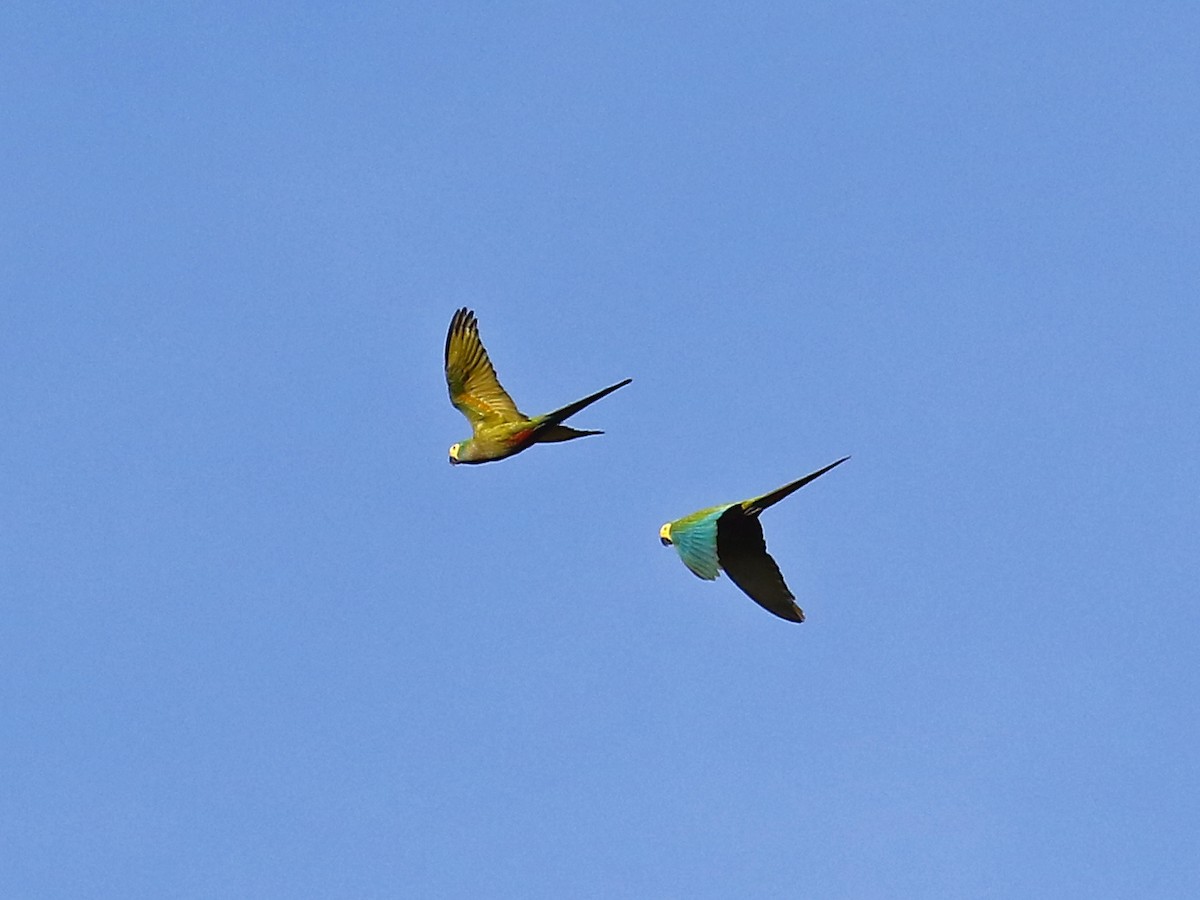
[261, 640]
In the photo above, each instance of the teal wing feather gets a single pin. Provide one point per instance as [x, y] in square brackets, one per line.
[695, 537]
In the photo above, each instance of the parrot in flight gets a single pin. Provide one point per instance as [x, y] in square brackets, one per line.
[730, 537]
[499, 429]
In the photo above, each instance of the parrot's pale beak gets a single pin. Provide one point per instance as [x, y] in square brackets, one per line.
[664, 535]
[454, 455]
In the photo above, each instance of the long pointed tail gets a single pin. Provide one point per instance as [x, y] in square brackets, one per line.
[758, 504]
[556, 433]
[551, 419]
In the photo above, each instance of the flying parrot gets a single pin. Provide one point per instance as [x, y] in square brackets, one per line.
[498, 428]
[730, 537]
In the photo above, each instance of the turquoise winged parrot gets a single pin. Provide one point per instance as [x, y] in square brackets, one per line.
[730, 537]
[499, 429]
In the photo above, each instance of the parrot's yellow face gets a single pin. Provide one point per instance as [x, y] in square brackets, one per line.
[664, 535]
[454, 454]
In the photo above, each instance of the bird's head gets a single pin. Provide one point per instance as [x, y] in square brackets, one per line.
[664, 535]
[454, 460]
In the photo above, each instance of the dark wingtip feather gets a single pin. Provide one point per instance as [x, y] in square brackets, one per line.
[797, 614]
[462, 320]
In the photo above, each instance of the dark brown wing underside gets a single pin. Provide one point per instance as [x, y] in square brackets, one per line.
[742, 552]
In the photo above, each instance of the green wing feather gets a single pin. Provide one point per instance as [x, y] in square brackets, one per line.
[695, 537]
[474, 388]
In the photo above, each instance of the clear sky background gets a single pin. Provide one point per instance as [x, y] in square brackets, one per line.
[259, 640]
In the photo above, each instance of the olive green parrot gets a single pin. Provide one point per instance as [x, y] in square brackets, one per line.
[730, 537]
[499, 429]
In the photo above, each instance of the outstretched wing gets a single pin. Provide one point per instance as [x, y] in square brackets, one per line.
[474, 388]
[695, 537]
[742, 551]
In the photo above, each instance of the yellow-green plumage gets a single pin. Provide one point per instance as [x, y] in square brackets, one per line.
[498, 428]
[729, 537]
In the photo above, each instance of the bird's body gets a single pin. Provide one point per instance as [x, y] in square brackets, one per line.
[499, 429]
[730, 538]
